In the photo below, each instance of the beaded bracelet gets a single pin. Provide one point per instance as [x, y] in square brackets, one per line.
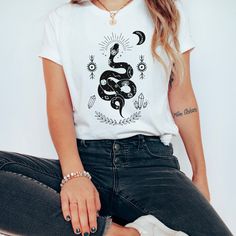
[73, 175]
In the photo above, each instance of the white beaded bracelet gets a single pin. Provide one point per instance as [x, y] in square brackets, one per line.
[73, 175]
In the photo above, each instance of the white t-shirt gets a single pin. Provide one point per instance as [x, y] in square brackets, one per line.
[116, 87]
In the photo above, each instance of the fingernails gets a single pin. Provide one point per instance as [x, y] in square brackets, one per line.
[86, 234]
[67, 218]
[77, 231]
[93, 229]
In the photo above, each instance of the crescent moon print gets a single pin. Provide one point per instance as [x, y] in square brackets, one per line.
[141, 36]
[116, 92]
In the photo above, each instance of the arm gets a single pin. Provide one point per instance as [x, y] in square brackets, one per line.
[62, 130]
[184, 108]
[60, 119]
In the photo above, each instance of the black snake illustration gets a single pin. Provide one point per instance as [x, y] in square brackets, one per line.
[109, 90]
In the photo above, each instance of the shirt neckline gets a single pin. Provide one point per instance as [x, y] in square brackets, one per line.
[98, 10]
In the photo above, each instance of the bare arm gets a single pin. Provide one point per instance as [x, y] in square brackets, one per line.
[185, 111]
[60, 117]
[78, 192]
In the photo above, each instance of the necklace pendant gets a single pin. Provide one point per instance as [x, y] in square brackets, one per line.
[113, 21]
[112, 15]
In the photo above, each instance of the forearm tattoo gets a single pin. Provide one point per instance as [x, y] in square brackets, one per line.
[185, 112]
[171, 80]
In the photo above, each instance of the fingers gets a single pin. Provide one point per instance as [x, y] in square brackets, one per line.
[83, 217]
[70, 212]
[82, 211]
[84, 214]
[92, 214]
[97, 201]
[65, 206]
[74, 211]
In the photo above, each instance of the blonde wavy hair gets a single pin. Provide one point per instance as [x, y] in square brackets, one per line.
[166, 18]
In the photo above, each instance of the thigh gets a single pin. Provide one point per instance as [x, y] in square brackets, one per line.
[169, 195]
[48, 172]
[36, 178]
[29, 208]
[150, 179]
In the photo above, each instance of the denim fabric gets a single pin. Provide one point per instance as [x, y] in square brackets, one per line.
[30, 199]
[135, 176]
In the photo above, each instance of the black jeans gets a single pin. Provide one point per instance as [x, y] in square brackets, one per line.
[135, 176]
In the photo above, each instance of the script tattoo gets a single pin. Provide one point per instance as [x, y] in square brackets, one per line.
[186, 111]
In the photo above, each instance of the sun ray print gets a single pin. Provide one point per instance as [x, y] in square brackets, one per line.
[109, 40]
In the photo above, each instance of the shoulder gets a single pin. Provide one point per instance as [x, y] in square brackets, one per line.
[180, 5]
[60, 11]
[183, 13]
[64, 11]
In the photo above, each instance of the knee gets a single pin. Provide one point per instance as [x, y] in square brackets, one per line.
[6, 157]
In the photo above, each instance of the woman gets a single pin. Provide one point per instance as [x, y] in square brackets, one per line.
[118, 88]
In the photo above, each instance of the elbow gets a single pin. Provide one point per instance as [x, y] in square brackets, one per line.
[56, 109]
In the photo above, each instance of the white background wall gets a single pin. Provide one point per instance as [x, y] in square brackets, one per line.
[23, 121]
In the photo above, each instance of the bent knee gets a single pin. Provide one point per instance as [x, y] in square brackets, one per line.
[7, 158]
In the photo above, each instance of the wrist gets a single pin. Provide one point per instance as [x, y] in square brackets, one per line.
[199, 169]
[70, 170]
[71, 165]
[73, 175]
[199, 176]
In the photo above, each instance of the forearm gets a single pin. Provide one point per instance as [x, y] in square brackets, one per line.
[186, 115]
[61, 127]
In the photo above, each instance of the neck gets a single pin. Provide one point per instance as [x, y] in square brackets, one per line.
[111, 5]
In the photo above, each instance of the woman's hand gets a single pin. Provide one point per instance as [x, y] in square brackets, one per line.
[80, 200]
[201, 183]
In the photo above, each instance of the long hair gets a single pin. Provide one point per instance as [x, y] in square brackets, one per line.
[166, 18]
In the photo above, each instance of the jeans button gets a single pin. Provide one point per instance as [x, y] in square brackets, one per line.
[116, 146]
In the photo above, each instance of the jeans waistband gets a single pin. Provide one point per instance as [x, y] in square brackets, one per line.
[135, 149]
[139, 137]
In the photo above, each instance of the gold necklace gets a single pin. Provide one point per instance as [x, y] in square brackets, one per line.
[113, 13]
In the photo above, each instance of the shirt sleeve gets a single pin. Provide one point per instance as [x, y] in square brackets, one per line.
[186, 40]
[49, 44]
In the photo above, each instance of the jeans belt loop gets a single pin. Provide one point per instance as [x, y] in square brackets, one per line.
[83, 142]
[141, 141]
